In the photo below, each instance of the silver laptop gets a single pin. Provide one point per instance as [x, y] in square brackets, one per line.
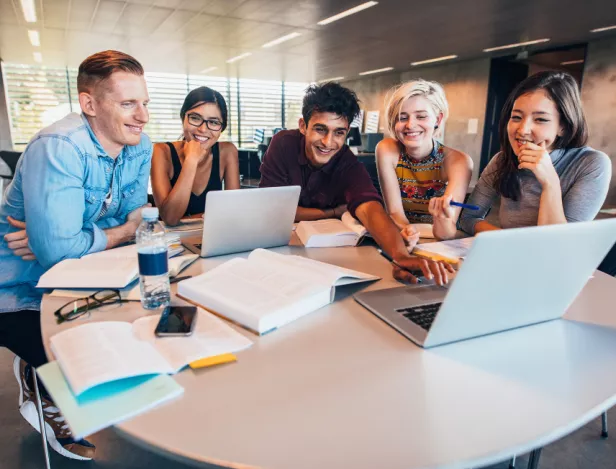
[510, 278]
[245, 219]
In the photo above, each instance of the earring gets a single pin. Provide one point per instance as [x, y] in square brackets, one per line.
[436, 127]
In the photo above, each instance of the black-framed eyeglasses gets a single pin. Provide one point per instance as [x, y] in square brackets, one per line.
[80, 306]
[197, 121]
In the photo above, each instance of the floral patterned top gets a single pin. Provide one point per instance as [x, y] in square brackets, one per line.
[420, 181]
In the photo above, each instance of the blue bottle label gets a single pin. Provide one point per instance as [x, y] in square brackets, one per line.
[153, 264]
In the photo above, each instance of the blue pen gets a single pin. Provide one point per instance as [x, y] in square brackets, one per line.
[459, 204]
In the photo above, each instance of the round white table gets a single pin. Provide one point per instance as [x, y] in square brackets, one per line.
[341, 389]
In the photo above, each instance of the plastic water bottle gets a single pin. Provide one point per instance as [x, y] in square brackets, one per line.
[153, 265]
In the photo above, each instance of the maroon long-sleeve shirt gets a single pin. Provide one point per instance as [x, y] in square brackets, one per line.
[343, 180]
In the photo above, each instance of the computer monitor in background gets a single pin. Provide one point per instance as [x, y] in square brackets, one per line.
[258, 136]
[370, 141]
[354, 137]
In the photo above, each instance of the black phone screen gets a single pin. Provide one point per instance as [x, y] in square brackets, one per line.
[176, 320]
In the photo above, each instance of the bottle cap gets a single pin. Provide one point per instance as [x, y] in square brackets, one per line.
[149, 213]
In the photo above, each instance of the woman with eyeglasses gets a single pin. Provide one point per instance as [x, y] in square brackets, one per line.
[183, 172]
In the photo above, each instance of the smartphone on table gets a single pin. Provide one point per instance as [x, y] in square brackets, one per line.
[176, 321]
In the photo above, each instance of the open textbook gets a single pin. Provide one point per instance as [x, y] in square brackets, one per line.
[452, 251]
[275, 288]
[108, 404]
[424, 230]
[331, 232]
[113, 268]
[347, 231]
[102, 352]
[132, 291]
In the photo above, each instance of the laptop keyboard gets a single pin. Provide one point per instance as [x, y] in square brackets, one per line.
[422, 315]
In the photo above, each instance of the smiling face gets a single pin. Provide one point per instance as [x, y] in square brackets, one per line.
[118, 110]
[416, 124]
[534, 118]
[325, 135]
[203, 133]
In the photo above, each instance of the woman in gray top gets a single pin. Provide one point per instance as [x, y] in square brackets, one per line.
[544, 173]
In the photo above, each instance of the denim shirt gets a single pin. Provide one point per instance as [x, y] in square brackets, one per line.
[59, 186]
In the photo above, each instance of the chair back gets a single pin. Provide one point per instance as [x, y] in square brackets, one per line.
[10, 158]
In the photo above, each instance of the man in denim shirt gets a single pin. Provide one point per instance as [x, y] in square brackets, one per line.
[78, 189]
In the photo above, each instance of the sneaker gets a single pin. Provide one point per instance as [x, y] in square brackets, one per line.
[21, 370]
[57, 431]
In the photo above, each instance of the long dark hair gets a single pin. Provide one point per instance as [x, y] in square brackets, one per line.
[563, 90]
[203, 95]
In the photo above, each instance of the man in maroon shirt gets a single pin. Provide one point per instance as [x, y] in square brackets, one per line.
[332, 180]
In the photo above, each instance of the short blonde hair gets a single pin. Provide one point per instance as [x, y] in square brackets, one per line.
[398, 95]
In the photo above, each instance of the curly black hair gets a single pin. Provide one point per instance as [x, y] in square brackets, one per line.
[330, 97]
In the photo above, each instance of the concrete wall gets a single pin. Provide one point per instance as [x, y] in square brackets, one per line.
[5, 127]
[466, 86]
[599, 99]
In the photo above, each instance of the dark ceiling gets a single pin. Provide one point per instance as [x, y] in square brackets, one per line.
[188, 36]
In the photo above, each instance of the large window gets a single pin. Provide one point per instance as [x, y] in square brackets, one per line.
[293, 96]
[38, 96]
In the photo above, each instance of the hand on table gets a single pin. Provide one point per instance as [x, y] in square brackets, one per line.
[437, 270]
[134, 217]
[339, 210]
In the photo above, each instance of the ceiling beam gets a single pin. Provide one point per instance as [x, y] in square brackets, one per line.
[115, 25]
[98, 2]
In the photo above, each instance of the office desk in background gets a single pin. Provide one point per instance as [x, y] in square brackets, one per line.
[250, 183]
[340, 388]
[249, 163]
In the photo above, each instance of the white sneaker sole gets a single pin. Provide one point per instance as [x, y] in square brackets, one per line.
[17, 371]
[28, 411]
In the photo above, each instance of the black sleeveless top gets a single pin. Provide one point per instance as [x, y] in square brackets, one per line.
[196, 203]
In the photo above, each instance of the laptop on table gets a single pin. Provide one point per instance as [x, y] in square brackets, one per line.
[246, 219]
[510, 278]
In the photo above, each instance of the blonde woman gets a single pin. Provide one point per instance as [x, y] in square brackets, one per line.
[420, 176]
